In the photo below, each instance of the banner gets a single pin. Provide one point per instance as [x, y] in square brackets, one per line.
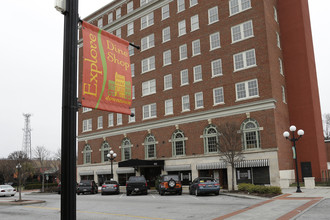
[107, 78]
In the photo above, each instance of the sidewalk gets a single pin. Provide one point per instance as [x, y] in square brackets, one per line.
[11, 201]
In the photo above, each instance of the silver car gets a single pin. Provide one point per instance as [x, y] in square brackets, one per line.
[110, 187]
[7, 190]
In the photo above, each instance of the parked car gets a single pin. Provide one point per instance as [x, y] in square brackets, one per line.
[136, 184]
[204, 185]
[110, 187]
[170, 184]
[87, 186]
[59, 188]
[7, 190]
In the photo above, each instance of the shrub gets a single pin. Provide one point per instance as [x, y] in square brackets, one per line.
[250, 188]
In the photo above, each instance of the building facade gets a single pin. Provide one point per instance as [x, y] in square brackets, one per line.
[202, 64]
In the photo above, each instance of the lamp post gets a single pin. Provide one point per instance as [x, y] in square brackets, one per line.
[18, 167]
[111, 155]
[293, 139]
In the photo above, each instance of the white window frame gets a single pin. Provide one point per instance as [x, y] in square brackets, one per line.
[130, 28]
[213, 13]
[148, 42]
[148, 20]
[240, 8]
[85, 109]
[183, 52]
[148, 87]
[133, 69]
[214, 68]
[119, 119]
[133, 92]
[244, 59]
[110, 120]
[100, 22]
[131, 50]
[278, 39]
[180, 5]
[196, 47]
[87, 125]
[246, 90]
[281, 66]
[165, 12]
[182, 28]
[118, 13]
[131, 119]
[118, 32]
[166, 34]
[275, 14]
[169, 107]
[242, 31]
[149, 109]
[144, 2]
[130, 7]
[193, 3]
[215, 42]
[168, 82]
[199, 98]
[216, 97]
[185, 103]
[110, 17]
[100, 122]
[150, 62]
[283, 95]
[194, 23]
[198, 76]
[167, 58]
[184, 76]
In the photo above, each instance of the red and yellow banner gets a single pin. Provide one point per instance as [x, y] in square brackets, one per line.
[107, 79]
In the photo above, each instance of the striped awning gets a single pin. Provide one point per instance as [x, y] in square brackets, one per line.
[101, 172]
[252, 163]
[123, 170]
[211, 166]
[182, 167]
[86, 173]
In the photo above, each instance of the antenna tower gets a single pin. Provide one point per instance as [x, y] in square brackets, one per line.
[27, 136]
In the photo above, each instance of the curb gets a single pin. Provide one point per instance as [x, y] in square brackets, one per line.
[22, 202]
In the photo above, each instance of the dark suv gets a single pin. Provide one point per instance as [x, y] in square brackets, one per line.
[87, 186]
[170, 184]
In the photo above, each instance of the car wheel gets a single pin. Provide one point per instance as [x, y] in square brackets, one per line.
[196, 192]
[127, 193]
[216, 193]
[78, 194]
[161, 193]
[146, 193]
[180, 193]
[12, 195]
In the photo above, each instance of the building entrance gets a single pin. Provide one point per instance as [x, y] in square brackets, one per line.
[151, 174]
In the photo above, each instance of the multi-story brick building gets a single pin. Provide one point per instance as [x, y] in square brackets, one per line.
[204, 63]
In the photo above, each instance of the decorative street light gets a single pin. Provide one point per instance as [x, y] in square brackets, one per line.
[293, 139]
[111, 155]
[18, 167]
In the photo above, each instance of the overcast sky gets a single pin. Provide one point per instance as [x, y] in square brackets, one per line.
[31, 62]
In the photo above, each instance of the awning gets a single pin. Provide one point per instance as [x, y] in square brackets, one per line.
[182, 167]
[101, 172]
[141, 163]
[86, 173]
[211, 166]
[123, 170]
[252, 163]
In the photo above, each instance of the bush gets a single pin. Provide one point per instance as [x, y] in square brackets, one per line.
[259, 189]
[39, 185]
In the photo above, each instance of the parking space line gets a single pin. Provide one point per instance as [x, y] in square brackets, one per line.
[153, 196]
[121, 196]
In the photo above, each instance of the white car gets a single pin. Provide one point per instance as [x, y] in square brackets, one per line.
[7, 190]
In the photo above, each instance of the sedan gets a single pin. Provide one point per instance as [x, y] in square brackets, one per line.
[204, 185]
[110, 187]
[7, 190]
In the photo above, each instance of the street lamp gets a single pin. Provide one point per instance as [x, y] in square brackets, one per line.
[18, 167]
[293, 139]
[111, 155]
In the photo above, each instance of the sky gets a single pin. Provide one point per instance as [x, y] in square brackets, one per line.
[31, 67]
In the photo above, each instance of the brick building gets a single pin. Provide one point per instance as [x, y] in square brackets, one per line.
[201, 64]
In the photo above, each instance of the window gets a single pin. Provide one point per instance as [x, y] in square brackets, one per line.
[178, 143]
[133, 69]
[237, 6]
[278, 40]
[119, 119]
[147, 42]
[244, 60]
[247, 89]
[149, 87]
[150, 146]
[183, 52]
[182, 28]
[110, 17]
[216, 68]
[130, 28]
[143, 2]
[99, 122]
[86, 109]
[181, 6]
[131, 119]
[196, 47]
[129, 7]
[281, 66]
[110, 119]
[148, 64]
[87, 125]
[184, 77]
[210, 136]
[166, 34]
[147, 20]
[118, 33]
[193, 3]
[242, 31]
[133, 92]
[100, 22]
[251, 134]
[167, 58]
[126, 149]
[185, 103]
[105, 148]
[118, 13]
[194, 23]
[213, 15]
[199, 100]
[283, 94]
[214, 41]
[131, 50]
[168, 82]
[275, 14]
[149, 111]
[218, 96]
[197, 73]
[87, 154]
[169, 107]
[165, 12]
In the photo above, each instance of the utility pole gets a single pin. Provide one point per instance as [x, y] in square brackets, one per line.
[27, 136]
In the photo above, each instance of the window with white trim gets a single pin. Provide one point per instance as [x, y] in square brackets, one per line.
[211, 139]
[250, 134]
[131, 119]
[275, 14]
[244, 60]
[131, 50]
[196, 47]
[147, 42]
[105, 148]
[193, 3]
[166, 34]
[247, 89]
[148, 64]
[165, 12]
[168, 82]
[213, 15]
[215, 41]
[86, 109]
[87, 152]
[185, 103]
[182, 28]
[194, 23]
[87, 125]
[143, 2]
[150, 146]
[218, 97]
[110, 119]
[283, 94]
[126, 149]
[149, 87]
[237, 6]
[242, 31]
[119, 119]
[110, 17]
[130, 7]
[183, 52]
[198, 73]
[118, 32]
[147, 20]
[167, 58]
[199, 103]
[149, 111]
[181, 5]
[133, 92]
[118, 13]
[130, 28]
[169, 107]
[216, 67]
[278, 40]
[281, 66]
[99, 122]
[184, 77]
[100, 22]
[133, 69]
[178, 143]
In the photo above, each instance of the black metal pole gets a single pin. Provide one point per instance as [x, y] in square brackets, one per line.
[69, 104]
[296, 161]
[111, 160]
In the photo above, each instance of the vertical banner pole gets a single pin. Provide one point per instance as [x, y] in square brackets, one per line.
[69, 103]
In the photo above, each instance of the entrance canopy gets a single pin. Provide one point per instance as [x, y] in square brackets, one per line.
[141, 163]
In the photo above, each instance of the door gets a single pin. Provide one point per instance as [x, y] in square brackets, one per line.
[306, 169]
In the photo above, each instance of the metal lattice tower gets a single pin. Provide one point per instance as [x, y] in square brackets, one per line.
[27, 136]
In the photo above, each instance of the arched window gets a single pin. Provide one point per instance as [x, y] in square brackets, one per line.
[126, 149]
[251, 134]
[211, 139]
[87, 154]
[150, 146]
[178, 143]
[104, 151]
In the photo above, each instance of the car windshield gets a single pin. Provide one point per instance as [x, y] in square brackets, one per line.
[137, 178]
[85, 184]
[174, 177]
[110, 182]
[207, 180]
[6, 187]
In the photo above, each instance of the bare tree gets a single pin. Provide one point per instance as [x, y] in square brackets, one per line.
[326, 124]
[20, 157]
[42, 157]
[230, 145]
